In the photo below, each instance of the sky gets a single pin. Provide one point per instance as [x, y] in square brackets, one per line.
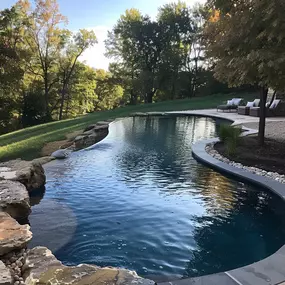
[100, 16]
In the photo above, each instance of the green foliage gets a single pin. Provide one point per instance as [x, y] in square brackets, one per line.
[33, 108]
[245, 39]
[42, 78]
[230, 136]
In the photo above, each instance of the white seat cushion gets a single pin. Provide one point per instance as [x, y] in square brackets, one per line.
[274, 104]
[236, 101]
[250, 104]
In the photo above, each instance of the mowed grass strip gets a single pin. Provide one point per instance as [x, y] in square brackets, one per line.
[27, 143]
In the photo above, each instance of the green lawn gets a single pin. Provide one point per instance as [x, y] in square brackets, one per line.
[27, 143]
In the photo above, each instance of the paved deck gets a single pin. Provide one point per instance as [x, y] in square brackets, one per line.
[275, 126]
[233, 116]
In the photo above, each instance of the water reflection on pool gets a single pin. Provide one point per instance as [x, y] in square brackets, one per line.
[139, 200]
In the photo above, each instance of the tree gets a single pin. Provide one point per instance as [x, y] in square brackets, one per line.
[109, 94]
[81, 91]
[73, 48]
[121, 45]
[246, 41]
[175, 20]
[11, 71]
[43, 36]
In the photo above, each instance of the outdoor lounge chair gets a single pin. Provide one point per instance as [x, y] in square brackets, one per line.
[244, 110]
[231, 105]
[277, 108]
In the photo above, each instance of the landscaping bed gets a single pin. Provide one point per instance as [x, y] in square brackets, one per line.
[270, 157]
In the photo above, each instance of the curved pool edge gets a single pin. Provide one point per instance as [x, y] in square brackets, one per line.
[268, 271]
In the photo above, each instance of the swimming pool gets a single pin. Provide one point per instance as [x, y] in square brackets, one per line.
[139, 200]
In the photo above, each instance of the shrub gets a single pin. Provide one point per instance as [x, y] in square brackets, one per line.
[230, 136]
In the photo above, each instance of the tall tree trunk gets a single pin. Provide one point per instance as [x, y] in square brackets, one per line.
[67, 105]
[193, 91]
[149, 96]
[61, 103]
[133, 100]
[47, 110]
[262, 115]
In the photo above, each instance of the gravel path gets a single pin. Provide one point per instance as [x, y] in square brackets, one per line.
[273, 130]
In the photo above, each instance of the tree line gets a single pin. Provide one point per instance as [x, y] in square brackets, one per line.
[170, 57]
[41, 78]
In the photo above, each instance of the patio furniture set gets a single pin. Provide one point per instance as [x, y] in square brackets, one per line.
[273, 109]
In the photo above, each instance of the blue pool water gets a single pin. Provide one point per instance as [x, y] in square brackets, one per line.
[139, 200]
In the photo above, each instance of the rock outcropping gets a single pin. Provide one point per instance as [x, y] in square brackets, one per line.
[12, 235]
[91, 135]
[41, 267]
[29, 173]
[14, 199]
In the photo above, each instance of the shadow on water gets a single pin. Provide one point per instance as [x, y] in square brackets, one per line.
[37, 195]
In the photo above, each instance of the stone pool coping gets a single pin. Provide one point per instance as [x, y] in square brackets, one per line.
[269, 271]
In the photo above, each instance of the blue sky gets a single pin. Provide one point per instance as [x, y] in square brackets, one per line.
[101, 16]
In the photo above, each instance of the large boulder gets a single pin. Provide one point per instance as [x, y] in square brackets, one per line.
[41, 267]
[5, 275]
[14, 199]
[60, 153]
[12, 235]
[29, 173]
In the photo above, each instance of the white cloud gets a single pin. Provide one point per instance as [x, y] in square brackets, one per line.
[94, 56]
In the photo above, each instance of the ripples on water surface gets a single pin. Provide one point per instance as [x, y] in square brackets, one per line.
[139, 200]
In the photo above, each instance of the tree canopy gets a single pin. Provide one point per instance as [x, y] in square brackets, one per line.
[245, 40]
[42, 77]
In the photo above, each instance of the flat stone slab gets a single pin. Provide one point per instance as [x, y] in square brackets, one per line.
[138, 114]
[104, 123]
[12, 234]
[14, 199]
[215, 279]
[156, 113]
[5, 275]
[41, 267]
[29, 173]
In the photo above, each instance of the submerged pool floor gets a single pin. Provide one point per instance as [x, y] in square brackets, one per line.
[139, 200]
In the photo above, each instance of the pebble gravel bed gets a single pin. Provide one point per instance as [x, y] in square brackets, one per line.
[15, 261]
[272, 175]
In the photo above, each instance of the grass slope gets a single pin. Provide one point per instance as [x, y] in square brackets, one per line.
[27, 143]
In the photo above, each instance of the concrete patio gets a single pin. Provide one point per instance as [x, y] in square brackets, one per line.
[275, 126]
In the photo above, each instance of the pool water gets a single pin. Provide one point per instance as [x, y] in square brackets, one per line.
[139, 200]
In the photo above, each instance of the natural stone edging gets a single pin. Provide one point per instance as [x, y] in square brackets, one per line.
[29, 173]
[273, 175]
[91, 135]
[14, 199]
[42, 267]
[13, 236]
